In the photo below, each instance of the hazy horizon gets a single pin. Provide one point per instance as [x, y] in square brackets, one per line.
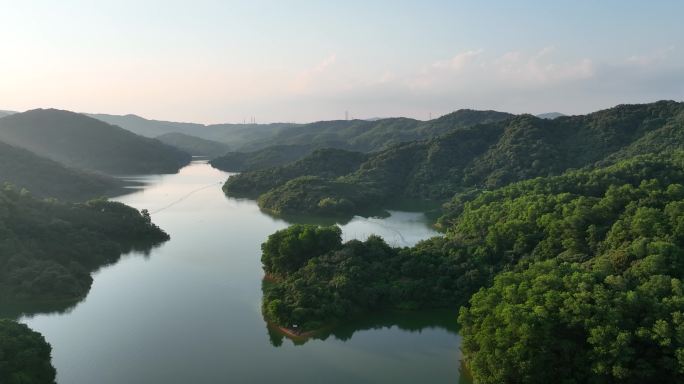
[225, 62]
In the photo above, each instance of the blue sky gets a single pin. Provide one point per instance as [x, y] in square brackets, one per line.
[224, 61]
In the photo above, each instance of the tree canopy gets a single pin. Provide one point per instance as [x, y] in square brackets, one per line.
[48, 248]
[24, 355]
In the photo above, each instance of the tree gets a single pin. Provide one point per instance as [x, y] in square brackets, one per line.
[24, 355]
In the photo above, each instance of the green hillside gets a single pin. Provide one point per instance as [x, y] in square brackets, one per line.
[368, 136]
[82, 142]
[323, 163]
[483, 156]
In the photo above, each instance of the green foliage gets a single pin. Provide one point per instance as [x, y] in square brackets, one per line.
[47, 178]
[322, 163]
[361, 277]
[48, 248]
[289, 249]
[82, 142]
[312, 194]
[24, 355]
[594, 293]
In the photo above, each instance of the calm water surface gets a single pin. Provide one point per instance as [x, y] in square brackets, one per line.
[189, 310]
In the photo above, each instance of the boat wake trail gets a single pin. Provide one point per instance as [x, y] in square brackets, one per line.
[185, 197]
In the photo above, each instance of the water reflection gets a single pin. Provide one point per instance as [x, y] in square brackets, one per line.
[189, 310]
[404, 321]
[16, 309]
[410, 321]
[340, 219]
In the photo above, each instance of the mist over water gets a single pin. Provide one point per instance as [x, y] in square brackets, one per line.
[189, 310]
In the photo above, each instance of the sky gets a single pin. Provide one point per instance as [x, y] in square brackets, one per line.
[299, 61]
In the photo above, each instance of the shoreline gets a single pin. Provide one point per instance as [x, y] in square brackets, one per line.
[293, 334]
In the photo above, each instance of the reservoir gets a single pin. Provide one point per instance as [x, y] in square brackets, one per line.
[188, 311]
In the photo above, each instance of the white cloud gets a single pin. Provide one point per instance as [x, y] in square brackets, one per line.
[459, 61]
[651, 58]
[538, 69]
[471, 69]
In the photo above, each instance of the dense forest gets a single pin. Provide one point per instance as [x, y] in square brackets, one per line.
[49, 248]
[323, 163]
[82, 142]
[374, 135]
[472, 158]
[581, 274]
[24, 355]
[47, 178]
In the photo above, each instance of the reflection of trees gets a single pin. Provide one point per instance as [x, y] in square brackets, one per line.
[15, 309]
[411, 321]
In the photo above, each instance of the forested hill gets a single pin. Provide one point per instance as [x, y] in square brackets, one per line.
[49, 248]
[484, 156]
[294, 142]
[367, 136]
[47, 178]
[578, 276]
[79, 141]
[323, 163]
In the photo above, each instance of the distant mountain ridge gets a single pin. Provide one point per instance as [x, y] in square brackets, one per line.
[145, 127]
[234, 135]
[357, 135]
[479, 157]
[251, 137]
[82, 142]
